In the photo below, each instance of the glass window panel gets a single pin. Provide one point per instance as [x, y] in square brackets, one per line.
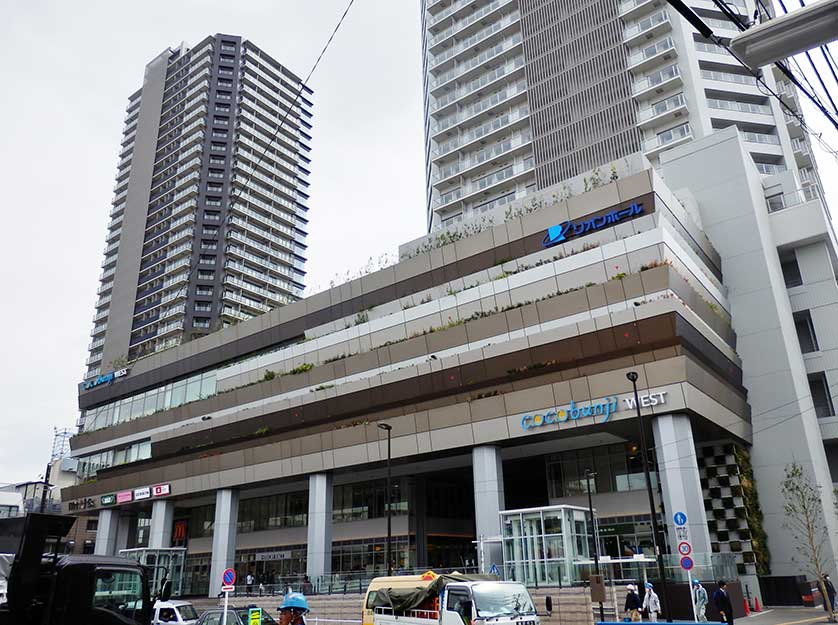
[552, 522]
[178, 393]
[193, 389]
[208, 384]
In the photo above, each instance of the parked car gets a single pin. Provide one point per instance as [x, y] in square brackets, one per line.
[235, 616]
[179, 612]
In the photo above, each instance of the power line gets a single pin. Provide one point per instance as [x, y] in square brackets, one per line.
[184, 292]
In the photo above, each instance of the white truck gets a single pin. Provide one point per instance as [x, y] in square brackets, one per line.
[455, 602]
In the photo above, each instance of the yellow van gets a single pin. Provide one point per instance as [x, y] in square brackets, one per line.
[398, 581]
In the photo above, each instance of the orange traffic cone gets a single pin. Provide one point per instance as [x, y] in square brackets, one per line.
[747, 608]
[756, 605]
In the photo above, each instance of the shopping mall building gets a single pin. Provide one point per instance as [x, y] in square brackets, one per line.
[498, 355]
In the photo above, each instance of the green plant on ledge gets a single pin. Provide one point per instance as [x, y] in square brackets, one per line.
[269, 375]
[306, 366]
[362, 317]
[262, 431]
[618, 276]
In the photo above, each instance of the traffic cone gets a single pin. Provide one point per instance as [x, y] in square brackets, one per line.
[747, 608]
[756, 605]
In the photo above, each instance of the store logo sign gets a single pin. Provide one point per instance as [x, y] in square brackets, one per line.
[142, 493]
[105, 379]
[124, 496]
[107, 500]
[160, 490]
[573, 412]
[569, 229]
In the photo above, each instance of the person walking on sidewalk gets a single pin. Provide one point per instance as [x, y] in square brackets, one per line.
[700, 601]
[722, 602]
[633, 604]
[651, 603]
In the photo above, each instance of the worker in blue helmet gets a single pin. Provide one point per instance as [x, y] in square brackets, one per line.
[700, 601]
[293, 609]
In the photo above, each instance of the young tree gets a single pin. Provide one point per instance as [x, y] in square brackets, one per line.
[805, 520]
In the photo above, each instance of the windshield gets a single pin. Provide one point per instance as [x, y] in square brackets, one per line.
[497, 599]
[119, 593]
[187, 613]
[267, 619]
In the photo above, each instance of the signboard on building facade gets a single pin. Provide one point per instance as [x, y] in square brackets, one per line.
[142, 493]
[125, 496]
[575, 412]
[568, 229]
[107, 500]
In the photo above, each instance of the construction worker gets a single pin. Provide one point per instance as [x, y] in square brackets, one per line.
[293, 609]
[700, 601]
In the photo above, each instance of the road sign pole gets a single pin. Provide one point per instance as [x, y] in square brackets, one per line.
[226, 601]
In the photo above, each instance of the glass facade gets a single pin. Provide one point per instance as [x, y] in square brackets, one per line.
[90, 464]
[273, 512]
[355, 502]
[618, 468]
[540, 546]
[367, 556]
[171, 395]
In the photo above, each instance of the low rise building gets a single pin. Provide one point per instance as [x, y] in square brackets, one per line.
[498, 355]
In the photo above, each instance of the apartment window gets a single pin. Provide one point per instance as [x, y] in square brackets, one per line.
[212, 216]
[217, 160]
[820, 395]
[223, 95]
[214, 187]
[775, 203]
[203, 307]
[207, 260]
[791, 270]
[222, 108]
[216, 173]
[213, 201]
[218, 147]
[201, 322]
[221, 121]
[210, 230]
[805, 331]
[205, 291]
[206, 275]
[92, 525]
[226, 58]
[209, 245]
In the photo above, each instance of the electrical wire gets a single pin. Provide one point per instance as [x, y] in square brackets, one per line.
[184, 292]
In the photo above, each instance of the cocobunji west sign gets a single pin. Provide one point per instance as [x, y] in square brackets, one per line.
[575, 412]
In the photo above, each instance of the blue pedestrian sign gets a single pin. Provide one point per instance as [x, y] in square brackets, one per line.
[493, 570]
[680, 518]
[687, 563]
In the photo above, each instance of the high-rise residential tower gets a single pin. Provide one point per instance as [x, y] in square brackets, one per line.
[522, 94]
[208, 223]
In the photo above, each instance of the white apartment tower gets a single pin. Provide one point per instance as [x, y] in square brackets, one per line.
[522, 94]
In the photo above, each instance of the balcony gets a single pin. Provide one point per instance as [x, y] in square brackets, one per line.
[798, 216]
[647, 28]
[504, 148]
[481, 82]
[172, 326]
[657, 83]
[729, 77]
[769, 169]
[93, 359]
[484, 131]
[479, 107]
[663, 50]
[102, 314]
[506, 174]
[173, 311]
[107, 286]
[739, 107]
[479, 37]
[667, 139]
[96, 344]
[485, 57]
[467, 21]
[236, 314]
[246, 301]
[662, 112]
[631, 9]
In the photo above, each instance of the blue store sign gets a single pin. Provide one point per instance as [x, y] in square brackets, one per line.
[105, 379]
[569, 229]
[573, 412]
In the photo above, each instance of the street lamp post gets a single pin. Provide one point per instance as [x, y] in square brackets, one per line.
[387, 554]
[588, 475]
[632, 376]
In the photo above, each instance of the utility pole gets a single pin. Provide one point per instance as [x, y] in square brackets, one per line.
[388, 553]
[588, 475]
[632, 376]
[45, 487]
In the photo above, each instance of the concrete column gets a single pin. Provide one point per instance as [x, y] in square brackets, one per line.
[106, 532]
[681, 486]
[162, 519]
[319, 548]
[419, 519]
[223, 536]
[488, 502]
[127, 525]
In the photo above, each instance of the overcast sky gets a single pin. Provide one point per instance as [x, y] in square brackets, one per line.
[69, 68]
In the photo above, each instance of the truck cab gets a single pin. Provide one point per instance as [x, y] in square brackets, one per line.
[463, 603]
[49, 588]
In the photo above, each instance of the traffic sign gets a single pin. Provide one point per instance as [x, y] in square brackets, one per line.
[228, 577]
[684, 548]
[228, 588]
[680, 518]
[682, 534]
[687, 563]
[254, 616]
